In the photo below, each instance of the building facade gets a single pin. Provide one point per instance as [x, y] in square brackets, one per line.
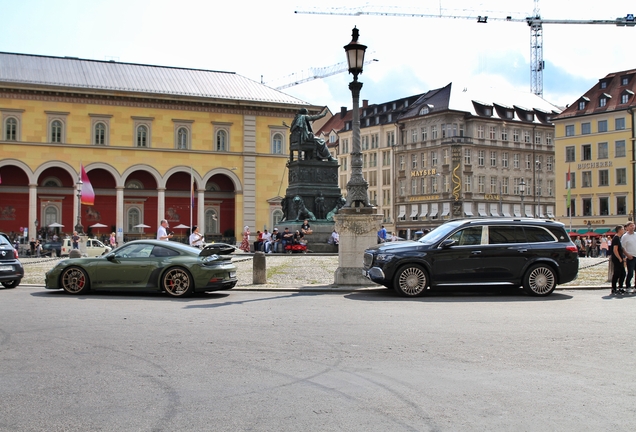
[595, 144]
[144, 134]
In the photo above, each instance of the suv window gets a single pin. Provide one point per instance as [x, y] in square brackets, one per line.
[505, 234]
[538, 235]
[470, 236]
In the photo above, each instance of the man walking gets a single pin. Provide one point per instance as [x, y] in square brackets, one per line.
[382, 235]
[162, 232]
[628, 241]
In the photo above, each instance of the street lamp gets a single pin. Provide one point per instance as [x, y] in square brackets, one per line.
[522, 191]
[78, 227]
[589, 226]
[357, 186]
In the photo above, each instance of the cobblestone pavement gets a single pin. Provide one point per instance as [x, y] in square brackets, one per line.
[307, 270]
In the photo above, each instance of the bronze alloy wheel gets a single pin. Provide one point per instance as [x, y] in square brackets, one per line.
[411, 280]
[74, 280]
[540, 280]
[177, 282]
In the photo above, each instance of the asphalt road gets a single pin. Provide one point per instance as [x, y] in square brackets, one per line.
[285, 361]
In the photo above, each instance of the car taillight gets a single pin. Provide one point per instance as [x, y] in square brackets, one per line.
[15, 253]
[572, 248]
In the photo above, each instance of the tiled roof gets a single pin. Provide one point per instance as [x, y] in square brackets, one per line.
[612, 88]
[481, 101]
[79, 74]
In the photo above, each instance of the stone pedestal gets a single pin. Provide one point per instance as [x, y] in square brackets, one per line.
[358, 228]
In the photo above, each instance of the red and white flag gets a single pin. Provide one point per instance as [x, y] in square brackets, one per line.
[88, 195]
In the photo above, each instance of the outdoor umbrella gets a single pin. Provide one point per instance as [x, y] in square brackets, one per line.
[98, 225]
[142, 226]
[181, 226]
[56, 225]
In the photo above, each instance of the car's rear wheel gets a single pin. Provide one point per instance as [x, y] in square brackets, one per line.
[11, 284]
[410, 280]
[540, 280]
[177, 282]
[74, 280]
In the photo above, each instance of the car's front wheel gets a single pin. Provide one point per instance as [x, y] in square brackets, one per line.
[11, 284]
[177, 282]
[540, 280]
[74, 280]
[410, 280]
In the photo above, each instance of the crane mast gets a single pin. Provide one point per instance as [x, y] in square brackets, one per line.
[311, 74]
[535, 22]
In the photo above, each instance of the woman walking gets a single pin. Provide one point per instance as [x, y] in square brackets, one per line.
[618, 262]
[245, 244]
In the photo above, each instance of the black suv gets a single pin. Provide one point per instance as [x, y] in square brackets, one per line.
[533, 253]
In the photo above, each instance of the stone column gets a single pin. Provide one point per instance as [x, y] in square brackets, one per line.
[161, 206]
[119, 212]
[201, 210]
[358, 229]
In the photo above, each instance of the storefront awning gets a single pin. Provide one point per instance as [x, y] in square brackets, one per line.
[402, 212]
[424, 211]
[601, 230]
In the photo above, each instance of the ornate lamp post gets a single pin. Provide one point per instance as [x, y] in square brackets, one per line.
[357, 186]
[522, 191]
[78, 227]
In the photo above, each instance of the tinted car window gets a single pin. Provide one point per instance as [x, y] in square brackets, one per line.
[560, 234]
[470, 236]
[505, 234]
[160, 251]
[4, 241]
[538, 235]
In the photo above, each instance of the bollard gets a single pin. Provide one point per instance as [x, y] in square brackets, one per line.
[259, 269]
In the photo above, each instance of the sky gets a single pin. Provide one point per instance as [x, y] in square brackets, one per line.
[268, 42]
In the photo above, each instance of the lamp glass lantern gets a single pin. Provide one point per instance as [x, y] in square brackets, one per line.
[355, 54]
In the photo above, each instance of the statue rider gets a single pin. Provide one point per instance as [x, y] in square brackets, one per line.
[302, 124]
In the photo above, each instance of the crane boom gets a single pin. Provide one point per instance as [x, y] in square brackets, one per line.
[535, 22]
[313, 73]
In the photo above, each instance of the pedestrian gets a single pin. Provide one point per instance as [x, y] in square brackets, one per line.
[305, 228]
[287, 238]
[162, 231]
[32, 246]
[196, 238]
[113, 241]
[245, 244]
[604, 246]
[628, 242]
[382, 235]
[267, 237]
[258, 244]
[334, 239]
[272, 245]
[76, 239]
[618, 261]
[38, 248]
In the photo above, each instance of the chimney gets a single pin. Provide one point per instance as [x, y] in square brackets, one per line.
[343, 112]
[365, 103]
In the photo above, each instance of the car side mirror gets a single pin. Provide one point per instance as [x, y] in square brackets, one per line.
[447, 243]
[110, 257]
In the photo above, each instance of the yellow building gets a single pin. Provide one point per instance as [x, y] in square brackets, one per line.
[142, 133]
[595, 142]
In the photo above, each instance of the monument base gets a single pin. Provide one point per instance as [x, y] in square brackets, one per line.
[358, 228]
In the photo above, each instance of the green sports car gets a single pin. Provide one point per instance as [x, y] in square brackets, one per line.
[146, 265]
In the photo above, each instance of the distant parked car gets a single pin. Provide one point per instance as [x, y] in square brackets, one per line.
[51, 247]
[11, 270]
[93, 247]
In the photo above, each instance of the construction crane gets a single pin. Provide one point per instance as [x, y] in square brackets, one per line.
[311, 74]
[537, 65]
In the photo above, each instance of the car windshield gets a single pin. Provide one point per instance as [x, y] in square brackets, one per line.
[440, 232]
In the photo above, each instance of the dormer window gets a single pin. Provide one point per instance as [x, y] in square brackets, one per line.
[603, 99]
[581, 105]
[424, 110]
[624, 80]
[509, 114]
[603, 84]
[406, 104]
[626, 95]
[488, 112]
[394, 105]
[529, 117]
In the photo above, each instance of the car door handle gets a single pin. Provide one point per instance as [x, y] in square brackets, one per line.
[475, 252]
[522, 250]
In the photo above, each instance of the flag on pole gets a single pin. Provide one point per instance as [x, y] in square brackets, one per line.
[569, 185]
[88, 195]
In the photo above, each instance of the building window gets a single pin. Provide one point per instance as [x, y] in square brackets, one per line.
[468, 179]
[433, 132]
[100, 134]
[182, 138]
[537, 138]
[602, 126]
[480, 131]
[625, 98]
[56, 131]
[619, 148]
[375, 139]
[221, 140]
[515, 160]
[548, 138]
[581, 105]
[413, 186]
[603, 178]
[402, 163]
[492, 132]
[11, 129]
[493, 158]
[586, 128]
[434, 185]
[277, 143]
[569, 130]
[587, 206]
[505, 183]
[586, 150]
[345, 146]
[602, 102]
[504, 134]
[621, 176]
[493, 185]
[414, 161]
[480, 183]
[390, 139]
[423, 183]
[133, 218]
[528, 162]
[570, 154]
[603, 150]
[445, 156]
[526, 136]
[212, 220]
[467, 154]
[550, 188]
[621, 205]
[142, 136]
[586, 179]
[481, 156]
[619, 123]
[572, 180]
[504, 159]
[413, 135]
[433, 159]
[603, 206]
[424, 134]
[549, 162]
[515, 135]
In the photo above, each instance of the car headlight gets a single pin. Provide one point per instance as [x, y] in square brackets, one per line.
[384, 257]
